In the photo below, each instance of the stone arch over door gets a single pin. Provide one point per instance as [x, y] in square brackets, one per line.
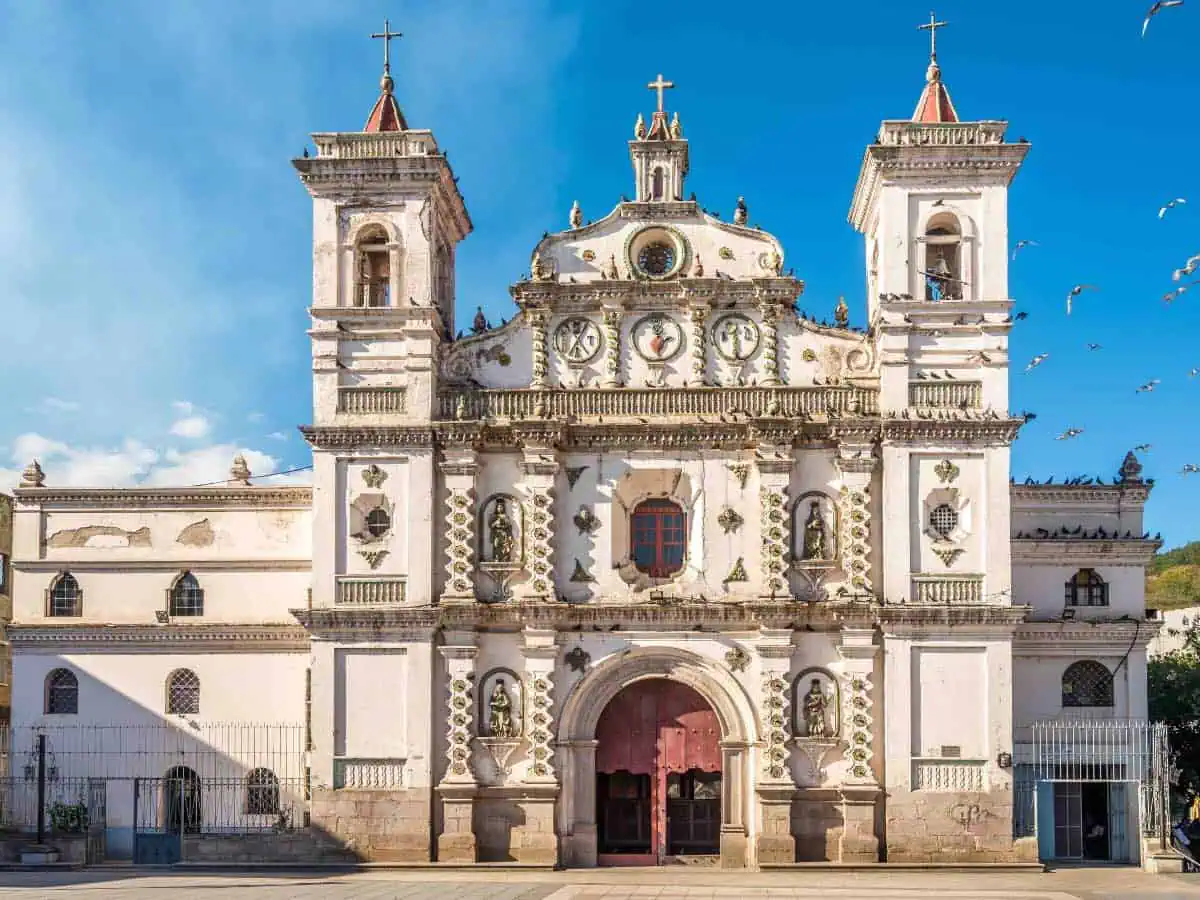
[576, 754]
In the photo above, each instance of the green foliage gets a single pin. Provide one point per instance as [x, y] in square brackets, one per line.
[69, 818]
[1187, 555]
[1175, 587]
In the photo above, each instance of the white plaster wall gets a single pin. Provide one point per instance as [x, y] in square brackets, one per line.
[1037, 687]
[1175, 623]
[1091, 511]
[1043, 588]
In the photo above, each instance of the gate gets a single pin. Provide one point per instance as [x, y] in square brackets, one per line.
[153, 842]
[97, 823]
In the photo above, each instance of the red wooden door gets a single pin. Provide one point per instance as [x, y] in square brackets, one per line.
[650, 731]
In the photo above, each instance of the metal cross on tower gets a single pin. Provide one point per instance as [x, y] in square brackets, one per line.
[387, 34]
[932, 28]
[660, 85]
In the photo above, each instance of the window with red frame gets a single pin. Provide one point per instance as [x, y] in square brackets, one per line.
[658, 537]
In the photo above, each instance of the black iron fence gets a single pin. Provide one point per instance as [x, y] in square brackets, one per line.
[187, 804]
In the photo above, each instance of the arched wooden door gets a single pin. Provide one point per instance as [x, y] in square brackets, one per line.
[658, 775]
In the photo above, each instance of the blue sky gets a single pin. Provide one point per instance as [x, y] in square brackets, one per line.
[154, 240]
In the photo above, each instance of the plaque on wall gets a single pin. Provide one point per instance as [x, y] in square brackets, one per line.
[578, 340]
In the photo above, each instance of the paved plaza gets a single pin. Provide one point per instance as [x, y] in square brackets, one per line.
[1064, 884]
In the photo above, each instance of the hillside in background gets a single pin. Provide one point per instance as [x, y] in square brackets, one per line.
[1173, 579]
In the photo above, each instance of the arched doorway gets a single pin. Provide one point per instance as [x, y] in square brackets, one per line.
[658, 775]
[181, 801]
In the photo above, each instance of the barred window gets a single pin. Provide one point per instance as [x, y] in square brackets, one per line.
[187, 597]
[1086, 588]
[378, 522]
[943, 519]
[65, 597]
[183, 693]
[62, 692]
[1087, 683]
[262, 793]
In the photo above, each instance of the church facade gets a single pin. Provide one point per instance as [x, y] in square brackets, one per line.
[659, 568]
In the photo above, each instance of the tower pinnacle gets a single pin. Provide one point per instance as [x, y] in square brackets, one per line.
[385, 114]
[934, 105]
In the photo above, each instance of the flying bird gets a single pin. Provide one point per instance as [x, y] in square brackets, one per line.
[1159, 6]
[1178, 201]
[1021, 245]
[1142, 448]
[1189, 469]
[1189, 268]
[1172, 296]
[1019, 316]
[1069, 433]
[1037, 361]
[1149, 386]
[1094, 347]
[1076, 291]
[1194, 371]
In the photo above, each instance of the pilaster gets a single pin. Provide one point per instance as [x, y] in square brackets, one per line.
[735, 768]
[856, 462]
[459, 469]
[776, 787]
[539, 467]
[770, 344]
[535, 840]
[860, 791]
[612, 347]
[457, 789]
[698, 315]
[774, 474]
[541, 360]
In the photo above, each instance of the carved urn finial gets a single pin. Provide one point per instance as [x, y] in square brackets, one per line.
[480, 323]
[239, 472]
[841, 315]
[1131, 469]
[540, 270]
[698, 268]
[576, 218]
[639, 128]
[740, 212]
[676, 128]
[33, 476]
[610, 270]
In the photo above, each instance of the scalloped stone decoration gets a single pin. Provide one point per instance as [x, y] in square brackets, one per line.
[774, 541]
[458, 733]
[856, 518]
[775, 725]
[859, 750]
[541, 732]
[459, 519]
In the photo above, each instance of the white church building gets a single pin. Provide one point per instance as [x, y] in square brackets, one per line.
[660, 568]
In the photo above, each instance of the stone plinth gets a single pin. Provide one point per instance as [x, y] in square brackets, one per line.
[379, 826]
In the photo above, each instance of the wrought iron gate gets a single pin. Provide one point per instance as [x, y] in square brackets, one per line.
[97, 827]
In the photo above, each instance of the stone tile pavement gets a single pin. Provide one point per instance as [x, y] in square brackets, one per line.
[386, 884]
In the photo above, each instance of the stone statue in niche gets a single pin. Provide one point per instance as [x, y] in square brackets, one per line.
[500, 532]
[500, 719]
[815, 705]
[816, 541]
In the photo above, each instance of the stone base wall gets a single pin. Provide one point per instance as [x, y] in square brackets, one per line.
[817, 826]
[927, 826]
[376, 826]
[515, 829]
[304, 845]
[72, 848]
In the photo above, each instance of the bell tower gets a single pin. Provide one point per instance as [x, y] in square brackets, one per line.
[660, 154]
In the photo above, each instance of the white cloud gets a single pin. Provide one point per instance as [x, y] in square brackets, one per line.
[183, 407]
[255, 417]
[277, 436]
[59, 405]
[191, 427]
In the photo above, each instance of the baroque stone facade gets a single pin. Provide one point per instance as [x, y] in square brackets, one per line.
[658, 470]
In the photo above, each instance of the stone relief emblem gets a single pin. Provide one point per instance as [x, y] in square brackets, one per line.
[373, 476]
[946, 471]
[578, 340]
[657, 338]
[735, 337]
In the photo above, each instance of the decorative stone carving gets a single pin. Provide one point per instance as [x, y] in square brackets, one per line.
[537, 327]
[859, 749]
[581, 575]
[540, 270]
[500, 720]
[725, 253]
[737, 573]
[540, 548]
[578, 340]
[946, 471]
[856, 517]
[737, 659]
[948, 556]
[373, 476]
[458, 735]
[815, 537]
[771, 262]
[540, 733]
[698, 315]
[458, 541]
[373, 557]
[735, 337]
[698, 268]
[729, 520]
[774, 541]
[770, 354]
[841, 313]
[501, 534]
[740, 212]
[576, 216]
[610, 269]
[573, 473]
[657, 338]
[741, 471]
[578, 659]
[816, 705]
[612, 346]
[239, 472]
[33, 476]
[586, 521]
[775, 719]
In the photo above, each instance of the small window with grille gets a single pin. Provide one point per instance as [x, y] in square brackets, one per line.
[1087, 683]
[1086, 588]
[66, 599]
[62, 692]
[187, 597]
[262, 793]
[183, 693]
[943, 519]
[379, 522]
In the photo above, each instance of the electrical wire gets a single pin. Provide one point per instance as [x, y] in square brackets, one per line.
[268, 475]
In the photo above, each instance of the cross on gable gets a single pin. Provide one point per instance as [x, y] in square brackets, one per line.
[660, 85]
[387, 34]
[932, 26]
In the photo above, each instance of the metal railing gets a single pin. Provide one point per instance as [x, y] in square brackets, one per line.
[219, 806]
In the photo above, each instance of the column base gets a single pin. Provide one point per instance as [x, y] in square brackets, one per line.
[776, 843]
[457, 842]
[735, 848]
[535, 841]
[859, 841]
[579, 847]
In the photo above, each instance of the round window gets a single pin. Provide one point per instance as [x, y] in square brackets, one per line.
[943, 519]
[657, 259]
[378, 522]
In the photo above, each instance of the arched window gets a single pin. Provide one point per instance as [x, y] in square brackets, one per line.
[943, 259]
[1086, 588]
[187, 597]
[1087, 683]
[658, 528]
[62, 692]
[656, 184]
[262, 793]
[374, 277]
[379, 522]
[183, 693]
[181, 800]
[66, 599]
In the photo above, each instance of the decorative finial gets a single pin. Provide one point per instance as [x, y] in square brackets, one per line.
[480, 324]
[1131, 469]
[934, 72]
[659, 85]
[539, 270]
[676, 128]
[639, 128]
[33, 476]
[239, 472]
[841, 315]
[610, 270]
[385, 83]
[576, 217]
[740, 212]
[698, 268]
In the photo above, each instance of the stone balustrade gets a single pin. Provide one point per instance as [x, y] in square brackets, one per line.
[948, 775]
[355, 145]
[370, 591]
[954, 590]
[950, 134]
[945, 394]
[362, 401]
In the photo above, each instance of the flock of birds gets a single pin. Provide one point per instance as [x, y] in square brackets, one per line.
[1190, 268]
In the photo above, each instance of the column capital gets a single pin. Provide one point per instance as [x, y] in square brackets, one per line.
[459, 461]
[857, 643]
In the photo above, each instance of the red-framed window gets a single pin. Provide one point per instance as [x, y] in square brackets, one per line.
[659, 533]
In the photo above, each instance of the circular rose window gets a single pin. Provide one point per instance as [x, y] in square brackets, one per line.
[657, 259]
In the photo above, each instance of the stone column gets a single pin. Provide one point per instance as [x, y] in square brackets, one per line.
[860, 791]
[699, 348]
[735, 777]
[457, 789]
[774, 475]
[612, 347]
[541, 359]
[540, 466]
[578, 765]
[770, 344]
[459, 467]
[536, 840]
[856, 462]
[776, 787]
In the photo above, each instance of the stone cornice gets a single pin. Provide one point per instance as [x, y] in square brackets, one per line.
[963, 427]
[78, 560]
[579, 296]
[1109, 495]
[223, 638]
[1083, 636]
[350, 437]
[1068, 550]
[366, 622]
[912, 620]
[217, 497]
